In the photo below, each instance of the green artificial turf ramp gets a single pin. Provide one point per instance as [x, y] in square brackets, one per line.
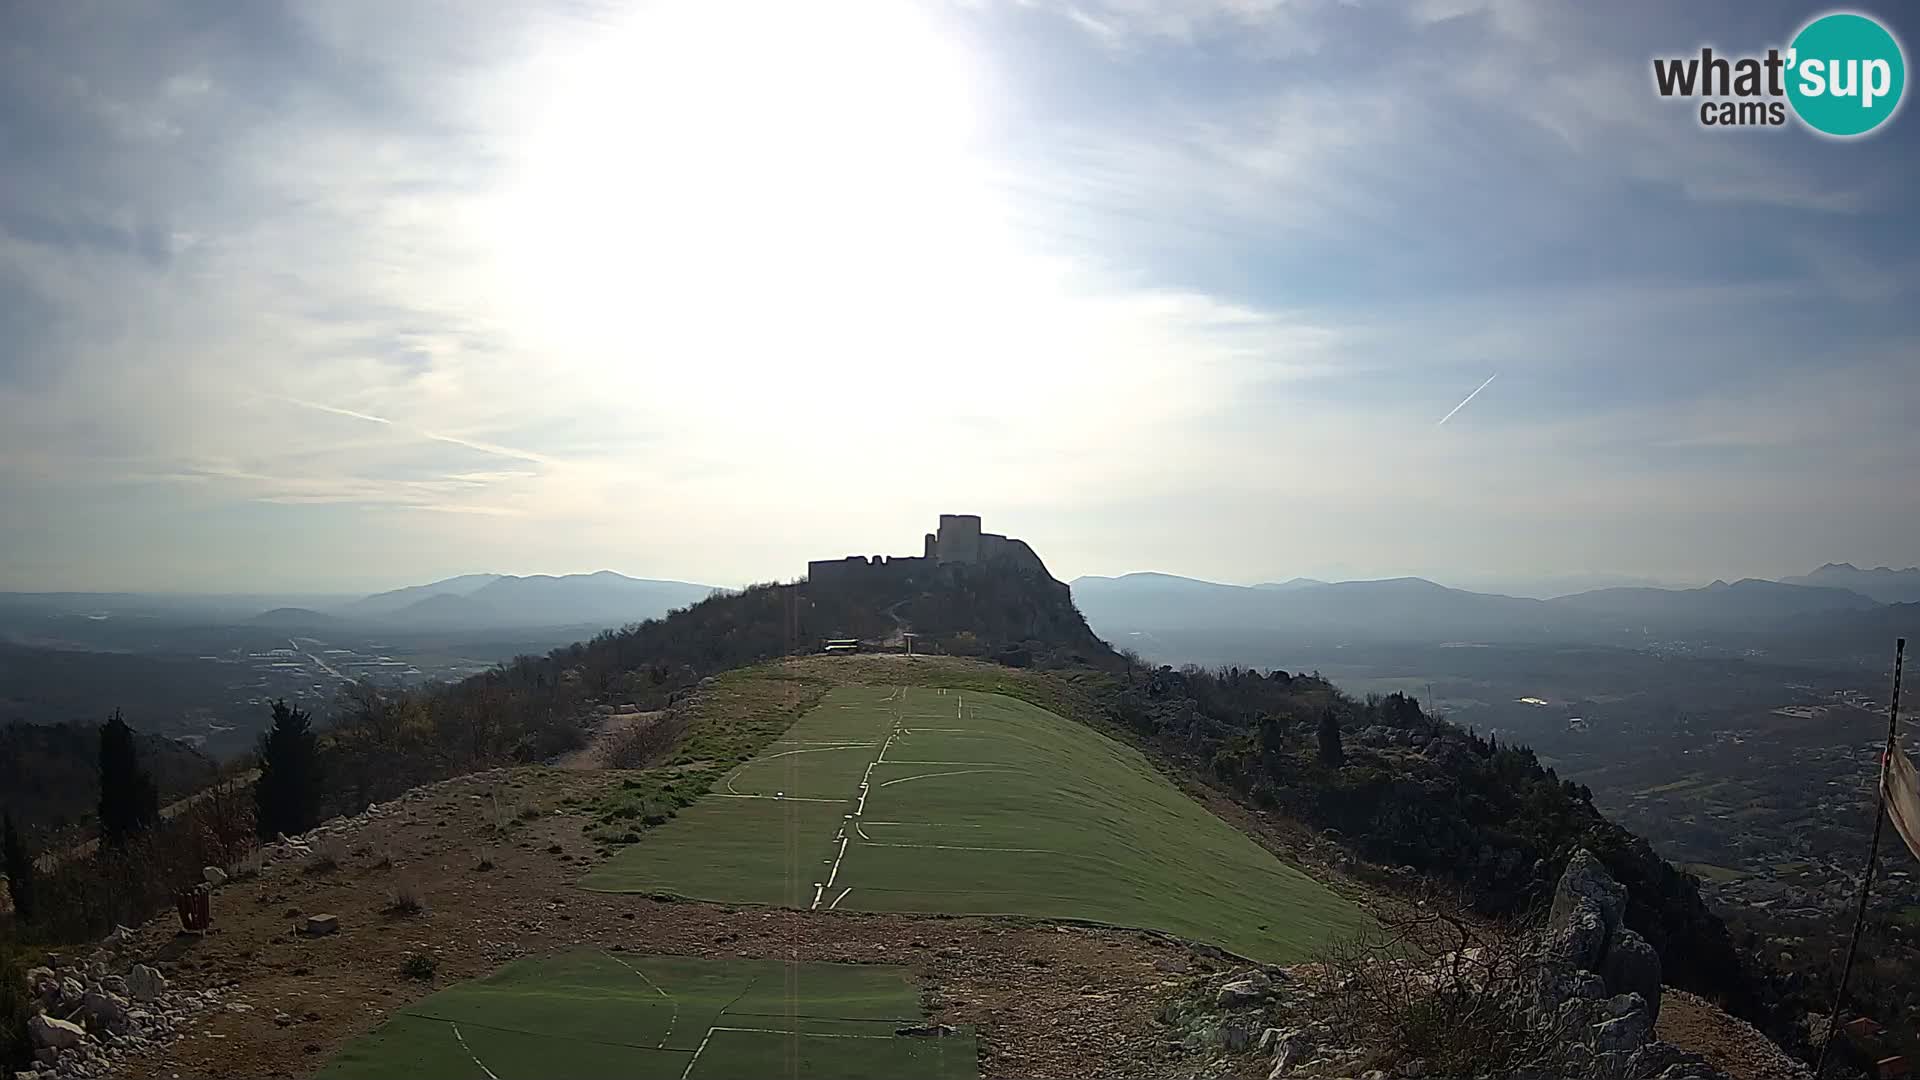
[588, 1013]
[977, 803]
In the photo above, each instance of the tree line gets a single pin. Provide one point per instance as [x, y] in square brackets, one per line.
[140, 856]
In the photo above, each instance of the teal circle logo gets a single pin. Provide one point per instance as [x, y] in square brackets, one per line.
[1845, 74]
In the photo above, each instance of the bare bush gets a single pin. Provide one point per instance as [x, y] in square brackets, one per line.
[327, 856]
[502, 813]
[1432, 986]
[405, 900]
[642, 744]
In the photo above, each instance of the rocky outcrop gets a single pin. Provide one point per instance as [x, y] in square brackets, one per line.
[1599, 983]
[1587, 932]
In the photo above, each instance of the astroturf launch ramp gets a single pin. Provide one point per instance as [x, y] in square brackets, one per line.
[943, 800]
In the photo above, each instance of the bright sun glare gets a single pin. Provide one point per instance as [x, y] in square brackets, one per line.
[719, 197]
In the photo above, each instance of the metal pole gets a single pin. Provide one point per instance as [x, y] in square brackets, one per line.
[1873, 857]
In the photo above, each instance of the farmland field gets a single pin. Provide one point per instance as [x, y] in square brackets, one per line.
[589, 1013]
[942, 800]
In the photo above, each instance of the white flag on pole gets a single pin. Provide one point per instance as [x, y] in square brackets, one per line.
[1902, 785]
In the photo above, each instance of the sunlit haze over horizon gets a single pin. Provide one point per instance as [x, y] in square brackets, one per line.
[344, 296]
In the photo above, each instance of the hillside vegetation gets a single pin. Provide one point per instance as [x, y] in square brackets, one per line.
[50, 776]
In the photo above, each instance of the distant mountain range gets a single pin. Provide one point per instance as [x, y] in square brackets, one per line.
[500, 601]
[1415, 609]
[1881, 583]
[380, 605]
[1748, 598]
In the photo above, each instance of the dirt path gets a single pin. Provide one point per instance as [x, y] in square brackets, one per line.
[1050, 1001]
[598, 753]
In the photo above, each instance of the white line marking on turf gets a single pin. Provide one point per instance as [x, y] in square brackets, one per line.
[776, 798]
[818, 742]
[844, 841]
[931, 775]
[837, 899]
[861, 831]
[961, 847]
[817, 888]
[470, 1053]
[696, 1055]
[671, 1020]
[815, 750]
[796, 1034]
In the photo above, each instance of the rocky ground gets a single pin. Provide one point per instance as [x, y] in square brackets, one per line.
[259, 996]
[1734, 1045]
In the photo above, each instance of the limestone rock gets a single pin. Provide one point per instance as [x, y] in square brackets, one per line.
[108, 1010]
[55, 1033]
[1631, 966]
[145, 983]
[1246, 989]
[214, 876]
[321, 925]
[1630, 1028]
[1289, 1051]
[1588, 906]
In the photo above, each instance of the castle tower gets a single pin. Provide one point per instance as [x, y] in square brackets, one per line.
[959, 539]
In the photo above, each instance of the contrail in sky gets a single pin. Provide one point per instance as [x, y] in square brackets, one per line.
[1469, 397]
[484, 448]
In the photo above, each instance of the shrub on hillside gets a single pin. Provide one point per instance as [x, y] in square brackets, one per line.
[418, 965]
[643, 743]
[405, 900]
[81, 898]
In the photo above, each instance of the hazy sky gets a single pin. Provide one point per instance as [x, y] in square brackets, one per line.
[341, 295]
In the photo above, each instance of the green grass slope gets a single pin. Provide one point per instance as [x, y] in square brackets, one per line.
[599, 1014]
[949, 800]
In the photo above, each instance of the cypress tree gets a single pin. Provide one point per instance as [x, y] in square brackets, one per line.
[129, 801]
[19, 864]
[287, 797]
[1331, 752]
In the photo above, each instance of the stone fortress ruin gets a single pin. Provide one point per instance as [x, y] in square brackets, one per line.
[959, 541]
